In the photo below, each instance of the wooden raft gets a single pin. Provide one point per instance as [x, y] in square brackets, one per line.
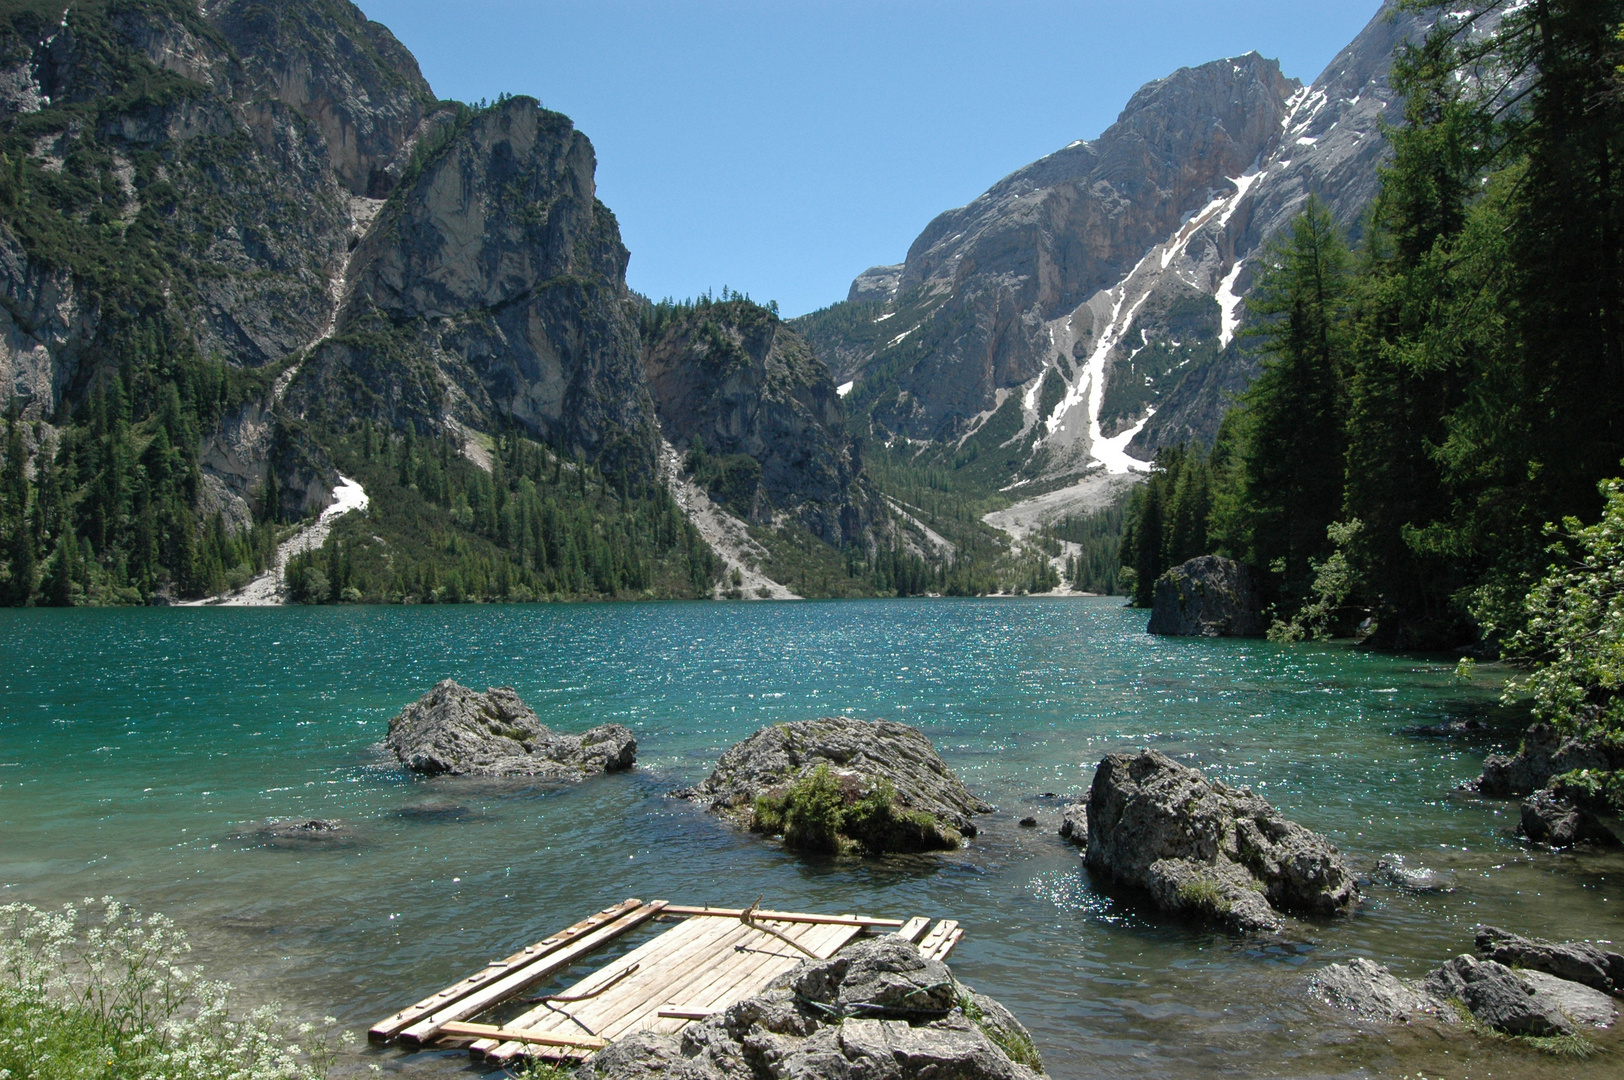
[711, 959]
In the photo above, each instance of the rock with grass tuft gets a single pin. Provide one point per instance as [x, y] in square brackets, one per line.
[838, 784]
[1201, 848]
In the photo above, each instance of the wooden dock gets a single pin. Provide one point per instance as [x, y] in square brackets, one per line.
[710, 959]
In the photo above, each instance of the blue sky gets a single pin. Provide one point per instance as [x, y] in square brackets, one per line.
[780, 147]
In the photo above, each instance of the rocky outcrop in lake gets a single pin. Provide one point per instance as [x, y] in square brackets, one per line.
[1202, 849]
[878, 1010]
[1516, 986]
[457, 731]
[1209, 596]
[860, 757]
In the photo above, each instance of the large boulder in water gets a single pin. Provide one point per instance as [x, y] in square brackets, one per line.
[859, 756]
[458, 731]
[1204, 849]
[1209, 596]
[877, 1010]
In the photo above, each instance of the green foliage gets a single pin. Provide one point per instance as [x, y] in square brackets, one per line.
[538, 526]
[1597, 790]
[1293, 445]
[822, 813]
[109, 515]
[1574, 628]
[111, 999]
[1097, 568]
[1327, 610]
[1203, 895]
[1168, 519]
[733, 480]
[808, 814]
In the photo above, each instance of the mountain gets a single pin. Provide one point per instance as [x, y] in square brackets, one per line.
[245, 248]
[760, 418]
[1085, 308]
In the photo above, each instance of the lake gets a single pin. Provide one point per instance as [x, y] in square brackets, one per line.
[141, 749]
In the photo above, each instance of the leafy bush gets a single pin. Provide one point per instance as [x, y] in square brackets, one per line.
[110, 999]
[1575, 630]
[822, 813]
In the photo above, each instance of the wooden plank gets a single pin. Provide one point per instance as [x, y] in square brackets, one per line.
[654, 958]
[613, 1014]
[928, 944]
[762, 953]
[740, 981]
[938, 935]
[789, 916]
[728, 978]
[948, 944]
[384, 1030]
[582, 1042]
[528, 975]
[914, 928]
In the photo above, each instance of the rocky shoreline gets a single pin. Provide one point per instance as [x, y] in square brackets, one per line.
[1155, 832]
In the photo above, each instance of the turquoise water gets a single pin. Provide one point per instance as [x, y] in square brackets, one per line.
[140, 750]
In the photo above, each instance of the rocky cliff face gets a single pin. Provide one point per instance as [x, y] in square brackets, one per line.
[347, 75]
[492, 289]
[1100, 289]
[734, 380]
[272, 185]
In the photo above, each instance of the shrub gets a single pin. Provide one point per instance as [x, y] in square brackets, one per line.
[823, 813]
[1575, 630]
[111, 1000]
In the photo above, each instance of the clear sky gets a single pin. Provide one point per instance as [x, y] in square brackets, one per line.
[780, 147]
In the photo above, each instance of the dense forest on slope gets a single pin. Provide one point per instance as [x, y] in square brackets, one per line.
[1434, 405]
[534, 527]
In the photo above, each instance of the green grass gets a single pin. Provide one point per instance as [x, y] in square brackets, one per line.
[825, 814]
[1015, 1044]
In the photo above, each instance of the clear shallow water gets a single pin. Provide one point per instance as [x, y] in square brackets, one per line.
[139, 750]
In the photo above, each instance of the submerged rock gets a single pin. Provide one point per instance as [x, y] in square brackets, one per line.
[1447, 729]
[1548, 818]
[1395, 870]
[1576, 961]
[300, 833]
[1370, 990]
[1209, 596]
[877, 1010]
[457, 731]
[1544, 753]
[1204, 849]
[860, 755]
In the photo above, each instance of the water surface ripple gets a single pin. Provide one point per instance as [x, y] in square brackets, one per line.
[140, 751]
